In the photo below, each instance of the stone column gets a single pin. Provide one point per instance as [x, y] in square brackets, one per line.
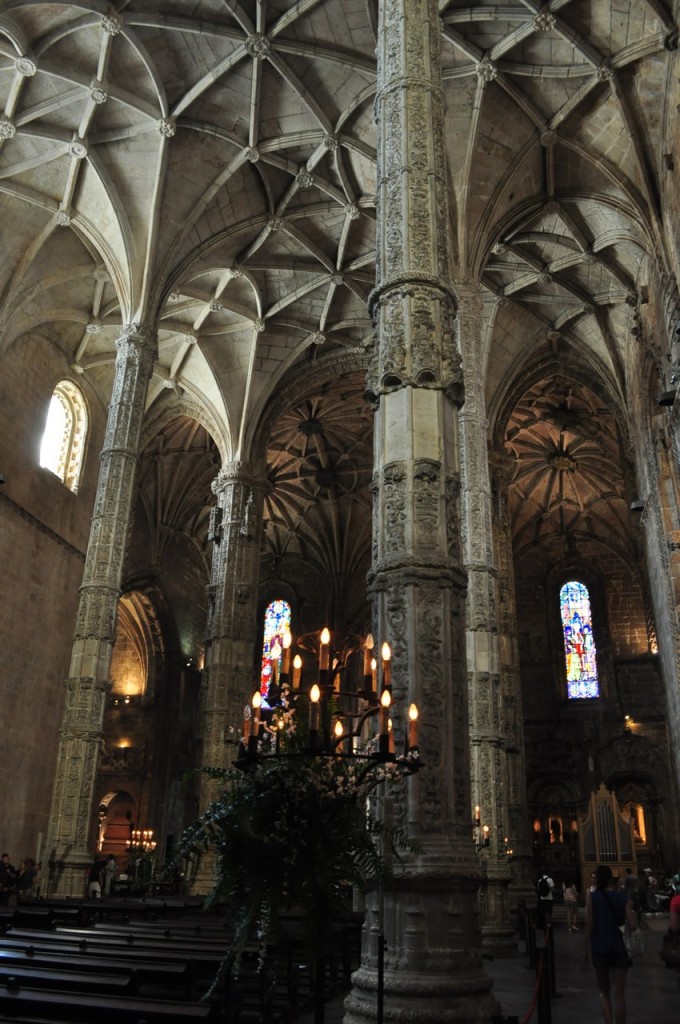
[79, 739]
[488, 757]
[229, 676]
[433, 968]
[522, 886]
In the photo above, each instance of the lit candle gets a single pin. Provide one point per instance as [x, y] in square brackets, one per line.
[338, 737]
[287, 641]
[478, 814]
[485, 833]
[368, 654]
[256, 703]
[374, 675]
[390, 733]
[412, 726]
[297, 669]
[386, 655]
[385, 701]
[325, 649]
[314, 697]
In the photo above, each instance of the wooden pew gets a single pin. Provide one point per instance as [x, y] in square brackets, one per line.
[145, 972]
[56, 979]
[81, 1008]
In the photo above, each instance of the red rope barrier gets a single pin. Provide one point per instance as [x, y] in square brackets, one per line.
[539, 974]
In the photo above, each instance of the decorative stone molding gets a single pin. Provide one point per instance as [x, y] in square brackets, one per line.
[275, 223]
[258, 46]
[25, 67]
[259, 325]
[548, 138]
[337, 279]
[190, 338]
[167, 127]
[7, 128]
[486, 70]
[101, 276]
[304, 179]
[544, 21]
[98, 93]
[215, 306]
[330, 142]
[588, 257]
[94, 327]
[251, 154]
[352, 211]
[499, 249]
[605, 72]
[62, 218]
[77, 149]
[318, 338]
[234, 273]
[112, 24]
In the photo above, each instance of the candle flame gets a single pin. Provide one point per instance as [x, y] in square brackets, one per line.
[315, 694]
[386, 698]
[325, 636]
[413, 712]
[369, 642]
[385, 652]
[374, 665]
[287, 639]
[338, 728]
[275, 652]
[257, 699]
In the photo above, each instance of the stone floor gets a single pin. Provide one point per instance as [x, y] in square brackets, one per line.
[652, 992]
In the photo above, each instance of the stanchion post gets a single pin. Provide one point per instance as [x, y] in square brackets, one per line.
[544, 982]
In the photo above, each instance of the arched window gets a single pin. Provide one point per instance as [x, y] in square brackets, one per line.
[579, 642]
[277, 621]
[63, 443]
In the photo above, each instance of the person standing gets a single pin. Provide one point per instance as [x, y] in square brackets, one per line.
[544, 889]
[8, 880]
[571, 904]
[110, 872]
[607, 908]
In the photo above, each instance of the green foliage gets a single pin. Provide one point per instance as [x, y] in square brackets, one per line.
[291, 832]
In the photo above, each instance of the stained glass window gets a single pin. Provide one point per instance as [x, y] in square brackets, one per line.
[277, 621]
[579, 642]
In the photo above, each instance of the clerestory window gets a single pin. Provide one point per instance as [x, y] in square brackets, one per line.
[277, 622]
[63, 443]
[579, 642]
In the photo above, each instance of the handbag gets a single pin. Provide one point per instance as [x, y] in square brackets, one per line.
[670, 949]
[633, 940]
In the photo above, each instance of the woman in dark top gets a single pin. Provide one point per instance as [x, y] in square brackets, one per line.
[606, 910]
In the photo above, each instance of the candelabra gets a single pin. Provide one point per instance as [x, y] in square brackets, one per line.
[141, 840]
[331, 729]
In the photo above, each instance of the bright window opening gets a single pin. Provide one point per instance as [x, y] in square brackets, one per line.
[277, 621]
[63, 444]
[579, 642]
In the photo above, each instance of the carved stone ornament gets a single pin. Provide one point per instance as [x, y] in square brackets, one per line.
[337, 279]
[7, 129]
[352, 211]
[499, 249]
[588, 257]
[252, 154]
[259, 325]
[94, 327]
[190, 338]
[544, 21]
[25, 66]
[318, 338]
[215, 305]
[234, 273]
[137, 330]
[63, 219]
[77, 149]
[605, 72]
[330, 142]
[258, 46]
[167, 127]
[548, 138]
[98, 93]
[111, 24]
[304, 179]
[275, 223]
[486, 71]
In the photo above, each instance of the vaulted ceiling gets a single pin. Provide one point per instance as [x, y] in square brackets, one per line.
[208, 166]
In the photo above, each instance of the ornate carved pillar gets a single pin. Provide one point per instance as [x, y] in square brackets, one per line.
[433, 968]
[512, 723]
[489, 777]
[77, 759]
[228, 675]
